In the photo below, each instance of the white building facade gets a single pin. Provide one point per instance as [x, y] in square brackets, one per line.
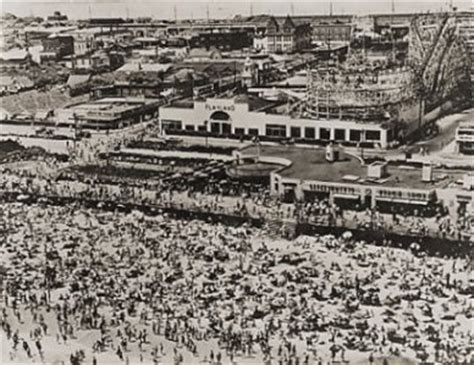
[229, 116]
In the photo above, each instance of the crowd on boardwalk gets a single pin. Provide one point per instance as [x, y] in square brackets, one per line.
[88, 286]
[245, 200]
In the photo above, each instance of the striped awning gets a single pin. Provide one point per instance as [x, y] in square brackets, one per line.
[347, 196]
[403, 201]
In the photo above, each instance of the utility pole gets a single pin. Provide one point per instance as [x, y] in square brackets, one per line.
[175, 10]
[74, 115]
[207, 12]
[391, 30]
[235, 73]
[292, 9]
[206, 122]
[251, 9]
[330, 8]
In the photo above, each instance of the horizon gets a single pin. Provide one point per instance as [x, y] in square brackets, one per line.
[199, 9]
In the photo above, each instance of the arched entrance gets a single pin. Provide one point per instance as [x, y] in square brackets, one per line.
[220, 123]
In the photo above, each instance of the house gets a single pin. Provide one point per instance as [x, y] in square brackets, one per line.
[133, 67]
[57, 46]
[260, 43]
[15, 59]
[201, 54]
[224, 40]
[98, 61]
[75, 81]
[43, 114]
[14, 84]
[286, 36]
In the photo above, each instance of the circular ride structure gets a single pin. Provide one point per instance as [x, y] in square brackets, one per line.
[390, 93]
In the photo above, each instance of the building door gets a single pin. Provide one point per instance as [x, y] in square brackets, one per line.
[215, 127]
[221, 128]
[289, 194]
[226, 128]
[220, 123]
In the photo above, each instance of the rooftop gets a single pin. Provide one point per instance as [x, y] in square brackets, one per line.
[184, 104]
[111, 105]
[145, 67]
[76, 79]
[255, 103]
[311, 164]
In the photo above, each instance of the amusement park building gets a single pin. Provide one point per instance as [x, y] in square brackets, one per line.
[305, 174]
[247, 115]
[355, 102]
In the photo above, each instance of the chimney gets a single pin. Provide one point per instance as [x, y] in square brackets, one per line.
[332, 152]
[377, 170]
[427, 173]
[468, 182]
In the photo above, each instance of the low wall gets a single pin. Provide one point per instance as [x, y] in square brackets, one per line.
[176, 154]
[175, 212]
[50, 145]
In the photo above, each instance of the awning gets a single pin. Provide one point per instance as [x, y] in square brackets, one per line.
[403, 201]
[464, 198]
[347, 196]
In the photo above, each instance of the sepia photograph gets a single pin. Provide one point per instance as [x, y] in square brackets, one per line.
[236, 182]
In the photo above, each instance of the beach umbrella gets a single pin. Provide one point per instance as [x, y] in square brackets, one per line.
[22, 197]
[347, 235]
[278, 302]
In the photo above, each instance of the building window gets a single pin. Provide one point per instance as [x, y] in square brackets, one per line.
[355, 135]
[295, 132]
[239, 131]
[340, 135]
[372, 135]
[253, 131]
[202, 128]
[171, 125]
[309, 133]
[274, 130]
[189, 128]
[324, 134]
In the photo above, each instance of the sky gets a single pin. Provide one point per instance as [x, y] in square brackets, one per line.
[217, 8]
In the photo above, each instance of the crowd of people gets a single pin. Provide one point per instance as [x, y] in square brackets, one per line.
[89, 285]
[213, 195]
[86, 286]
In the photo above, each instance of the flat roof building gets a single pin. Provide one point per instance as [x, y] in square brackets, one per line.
[310, 174]
[273, 120]
[109, 113]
